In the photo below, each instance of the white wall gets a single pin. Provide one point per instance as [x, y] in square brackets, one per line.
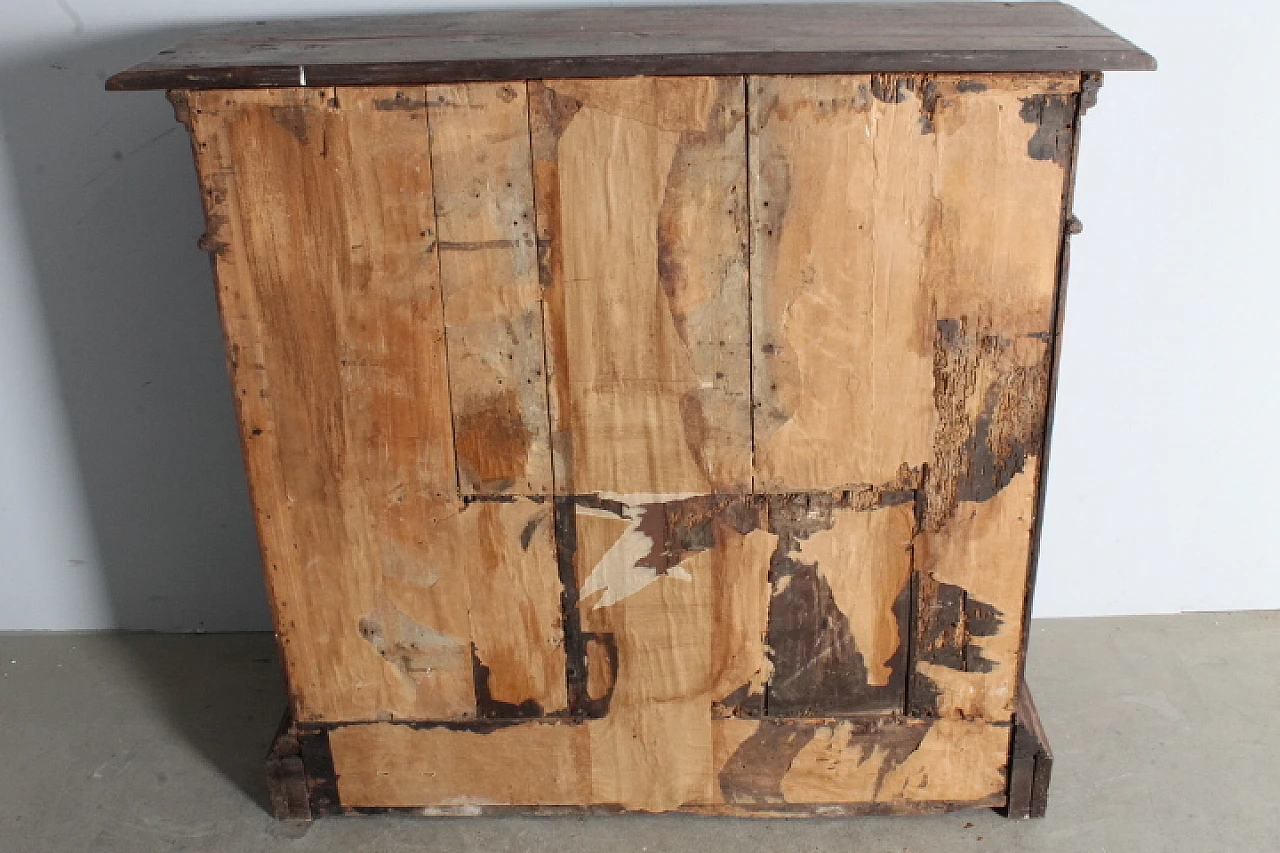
[122, 499]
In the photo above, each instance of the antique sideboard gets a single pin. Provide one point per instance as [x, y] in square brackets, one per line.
[647, 408]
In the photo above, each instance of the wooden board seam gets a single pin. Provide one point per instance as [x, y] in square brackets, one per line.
[444, 325]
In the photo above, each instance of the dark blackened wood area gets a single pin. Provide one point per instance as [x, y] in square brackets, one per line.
[1030, 761]
[806, 38]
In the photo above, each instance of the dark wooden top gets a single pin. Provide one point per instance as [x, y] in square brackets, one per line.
[837, 38]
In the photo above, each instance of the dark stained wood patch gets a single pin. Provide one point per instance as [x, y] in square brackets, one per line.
[575, 641]
[1030, 761]
[287, 775]
[487, 706]
[1054, 118]
[322, 779]
[753, 774]
[818, 670]
[978, 453]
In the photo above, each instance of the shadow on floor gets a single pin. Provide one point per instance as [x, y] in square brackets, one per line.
[110, 213]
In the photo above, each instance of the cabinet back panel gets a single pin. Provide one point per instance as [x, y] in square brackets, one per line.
[647, 399]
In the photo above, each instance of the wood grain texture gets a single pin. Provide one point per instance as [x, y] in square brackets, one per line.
[841, 205]
[904, 265]
[863, 240]
[641, 207]
[534, 763]
[742, 767]
[802, 38]
[679, 591]
[482, 177]
[321, 229]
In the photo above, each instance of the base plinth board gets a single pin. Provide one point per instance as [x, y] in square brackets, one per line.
[1030, 763]
[770, 767]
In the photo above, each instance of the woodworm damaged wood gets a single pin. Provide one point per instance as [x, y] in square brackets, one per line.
[1053, 116]
[989, 395]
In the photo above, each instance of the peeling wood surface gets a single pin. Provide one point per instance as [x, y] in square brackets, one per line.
[839, 621]
[679, 593]
[321, 229]
[798, 602]
[641, 207]
[482, 179]
[723, 766]
[973, 579]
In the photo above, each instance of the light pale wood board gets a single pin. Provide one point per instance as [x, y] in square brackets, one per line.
[842, 342]
[483, 185]
[688, 628]
[881, 206]
[742, 765]
[641, 208]
[322, 233]
[982, 552]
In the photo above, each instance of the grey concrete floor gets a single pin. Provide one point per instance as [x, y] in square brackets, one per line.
[1164, 732]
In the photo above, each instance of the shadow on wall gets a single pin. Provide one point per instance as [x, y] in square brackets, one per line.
[108, 197]
[111, 212]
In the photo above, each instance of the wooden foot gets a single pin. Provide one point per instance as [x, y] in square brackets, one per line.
[1031, 761]
[287, 776]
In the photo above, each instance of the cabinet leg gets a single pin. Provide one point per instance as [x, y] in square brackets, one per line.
[1030, 763]
[287, 775]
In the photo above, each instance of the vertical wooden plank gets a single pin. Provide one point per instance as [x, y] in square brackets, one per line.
[321, 227]
[320, 223]
[640, 187]
[482, 178]
[841, 201]
[680, 591]
[1003, 151]
[507, 551]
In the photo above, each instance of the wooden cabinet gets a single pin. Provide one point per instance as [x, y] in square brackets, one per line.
[646, 409]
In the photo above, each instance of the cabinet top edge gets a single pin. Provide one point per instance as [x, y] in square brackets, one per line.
[801, 38]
